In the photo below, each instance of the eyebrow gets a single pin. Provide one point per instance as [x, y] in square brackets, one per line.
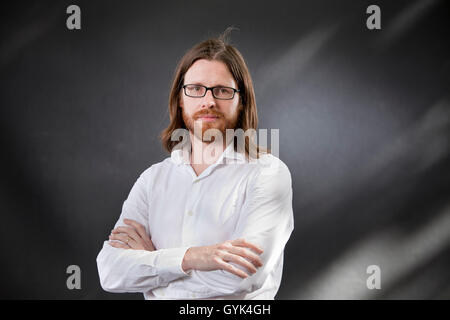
[217, 85]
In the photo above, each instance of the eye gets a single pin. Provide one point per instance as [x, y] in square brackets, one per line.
[196, 88]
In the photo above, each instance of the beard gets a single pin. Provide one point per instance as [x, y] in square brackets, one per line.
[222, 123]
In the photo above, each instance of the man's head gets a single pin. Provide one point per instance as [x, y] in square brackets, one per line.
[211, 63]
[216, 109]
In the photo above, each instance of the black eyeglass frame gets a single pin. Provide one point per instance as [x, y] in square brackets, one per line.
[209, 88]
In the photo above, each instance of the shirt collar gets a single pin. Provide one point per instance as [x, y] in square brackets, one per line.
[182, 156]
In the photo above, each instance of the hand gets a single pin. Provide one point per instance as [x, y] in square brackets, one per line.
[133, 237]
[217, 256]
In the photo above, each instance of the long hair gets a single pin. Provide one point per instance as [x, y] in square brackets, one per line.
[216, 49]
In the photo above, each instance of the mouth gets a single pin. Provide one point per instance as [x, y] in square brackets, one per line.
[208, 118]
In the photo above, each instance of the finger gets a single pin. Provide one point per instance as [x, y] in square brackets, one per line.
[124, 238]
[229, 257]
[141, 231]
[247, 254]
[127, 230]
[150, 245]
[118, 245]
[139, 228]
[230, 268]
[245, 243]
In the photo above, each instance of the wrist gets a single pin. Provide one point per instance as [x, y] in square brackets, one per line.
[186, 263]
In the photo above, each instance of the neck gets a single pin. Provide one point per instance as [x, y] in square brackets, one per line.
[205, 153]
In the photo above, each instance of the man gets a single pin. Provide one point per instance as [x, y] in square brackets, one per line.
[203, 224]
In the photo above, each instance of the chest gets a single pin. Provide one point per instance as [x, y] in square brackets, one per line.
[200, 212]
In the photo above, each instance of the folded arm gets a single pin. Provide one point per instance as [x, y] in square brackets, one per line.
[266, 221]
[144, 268]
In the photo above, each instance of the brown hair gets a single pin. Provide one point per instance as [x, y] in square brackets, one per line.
[215, 49]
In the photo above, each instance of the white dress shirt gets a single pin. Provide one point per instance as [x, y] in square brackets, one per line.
[233, 198]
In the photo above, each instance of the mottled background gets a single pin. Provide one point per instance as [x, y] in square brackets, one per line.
[364, 119]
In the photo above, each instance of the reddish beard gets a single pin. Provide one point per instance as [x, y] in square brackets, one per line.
[222, 123]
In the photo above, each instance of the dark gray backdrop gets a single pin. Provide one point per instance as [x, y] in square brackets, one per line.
[363, 118]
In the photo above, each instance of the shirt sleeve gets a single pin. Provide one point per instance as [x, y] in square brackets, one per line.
[126, 270]
[267, 221]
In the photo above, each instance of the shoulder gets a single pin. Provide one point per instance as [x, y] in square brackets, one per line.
[156, 168]
[271, 175]
[272, 166]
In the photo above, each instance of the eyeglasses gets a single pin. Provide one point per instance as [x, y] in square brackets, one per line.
[199, 91]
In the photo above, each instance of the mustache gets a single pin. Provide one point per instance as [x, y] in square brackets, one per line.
[207, 113]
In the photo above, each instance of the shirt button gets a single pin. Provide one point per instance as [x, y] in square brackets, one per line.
[190, 213]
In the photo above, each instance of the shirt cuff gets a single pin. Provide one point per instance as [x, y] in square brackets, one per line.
[170, 260]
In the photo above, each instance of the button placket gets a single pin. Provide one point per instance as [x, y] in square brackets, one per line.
[192, 196]
[189, 212]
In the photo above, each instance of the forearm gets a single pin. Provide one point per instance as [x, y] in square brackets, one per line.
[123, 270]
[221, 269]
[218, 284]
[222, 282]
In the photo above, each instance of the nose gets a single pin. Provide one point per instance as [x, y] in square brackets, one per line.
[208, 100]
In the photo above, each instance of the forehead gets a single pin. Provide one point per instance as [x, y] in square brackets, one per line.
[209, 73]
